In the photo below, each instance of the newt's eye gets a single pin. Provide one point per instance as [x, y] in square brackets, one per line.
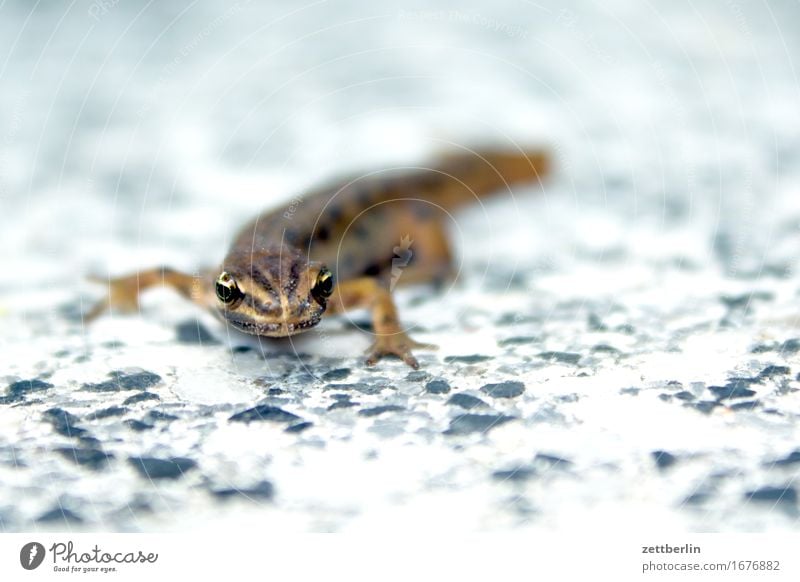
[323, 287]
[227, 290]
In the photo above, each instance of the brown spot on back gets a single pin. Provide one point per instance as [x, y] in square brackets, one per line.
[323, 233]
[373, 270]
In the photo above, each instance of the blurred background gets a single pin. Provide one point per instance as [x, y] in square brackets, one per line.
[137, 133]
[115, 114]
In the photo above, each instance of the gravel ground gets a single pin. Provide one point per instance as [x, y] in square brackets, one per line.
[621, 346]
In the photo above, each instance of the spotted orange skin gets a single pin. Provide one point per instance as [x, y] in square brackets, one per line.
[342, 246]
[354, 227]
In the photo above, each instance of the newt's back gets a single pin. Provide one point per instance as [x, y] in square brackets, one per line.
[356, 226]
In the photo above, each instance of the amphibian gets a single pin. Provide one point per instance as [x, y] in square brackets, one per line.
[342, 246]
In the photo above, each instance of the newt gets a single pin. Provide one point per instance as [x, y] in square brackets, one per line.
[339, 247]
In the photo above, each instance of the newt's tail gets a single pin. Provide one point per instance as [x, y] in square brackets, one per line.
[475, 174]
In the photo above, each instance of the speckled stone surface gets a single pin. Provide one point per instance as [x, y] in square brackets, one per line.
[620, 347]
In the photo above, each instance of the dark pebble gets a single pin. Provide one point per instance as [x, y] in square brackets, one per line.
[23, 387]
[665, 397]
[90, 458]
[342, 404]
[744, 300]
[338, 374]
[361, 387]
[121, 381]
[364, 325]
[264, 412]
[425, 298]
[564, 357]
[664, 459]
[299, 427]
[515, 475]
[375, 411]
[737, 388]
[779, 271]
[519, 340]
[106, 412]
[262, 491]
[763, 348]
[59, 515]
[773, 495]
[141, 397]
[472, 359]
[792, 459]
[71, 311]
[742, 381]
[152, 468]
[113, 345]
[747, 405]
[417, 376]
[632, 391]
[466, 401]
[508, 389]
[194, 332]
[137, 425]
[275, 391]
[771, 371]
[697, 499]
[437, 387]
[512, 318]
[90, 441]
[723, 246]
[472, 423]
[791, 346]
[157, 415]
[241, 349]
[63, 422]
[551, 461]
[298, 377]
[705, 406]
[606, 349]
[594, 323]
[735, 301]
[567, 398]
[684, 395]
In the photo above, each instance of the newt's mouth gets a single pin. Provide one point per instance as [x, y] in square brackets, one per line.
[272, 329]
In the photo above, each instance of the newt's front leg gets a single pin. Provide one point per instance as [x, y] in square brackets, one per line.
[390, 339]
[123, 292]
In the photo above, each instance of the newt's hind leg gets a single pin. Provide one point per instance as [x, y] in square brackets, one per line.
[390, 338]
[124, 292]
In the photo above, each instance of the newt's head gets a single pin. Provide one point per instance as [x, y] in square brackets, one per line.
[275, 292]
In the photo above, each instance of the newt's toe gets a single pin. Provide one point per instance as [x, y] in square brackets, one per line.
[399, 345]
